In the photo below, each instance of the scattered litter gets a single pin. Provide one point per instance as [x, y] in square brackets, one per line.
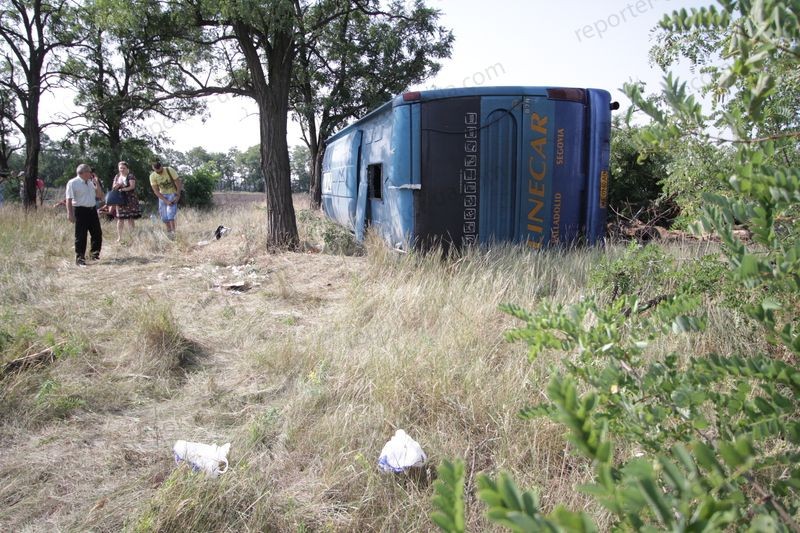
[241, 286]
[209, 458]
[220, 232]
[401, 453]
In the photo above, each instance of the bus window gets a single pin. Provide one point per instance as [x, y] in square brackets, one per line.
[374, 173]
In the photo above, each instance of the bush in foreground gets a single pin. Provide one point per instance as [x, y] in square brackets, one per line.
[683, 442]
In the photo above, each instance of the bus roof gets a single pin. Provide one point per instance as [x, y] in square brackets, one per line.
[414, 97]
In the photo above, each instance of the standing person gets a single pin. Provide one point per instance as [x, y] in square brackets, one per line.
[125, 182]
[168, 187]
[40, 191]
[82, 193]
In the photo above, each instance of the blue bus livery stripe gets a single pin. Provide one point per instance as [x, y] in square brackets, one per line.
[569, 179]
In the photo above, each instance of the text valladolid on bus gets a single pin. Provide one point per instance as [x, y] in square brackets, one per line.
[473, 166]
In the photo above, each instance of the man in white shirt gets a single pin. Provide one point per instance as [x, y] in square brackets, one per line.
[82, 193]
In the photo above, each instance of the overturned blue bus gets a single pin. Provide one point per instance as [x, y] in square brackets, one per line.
[473, 166]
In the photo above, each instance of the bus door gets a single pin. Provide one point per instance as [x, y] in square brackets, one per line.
[373, 169]
[501, 118]
[362, 204]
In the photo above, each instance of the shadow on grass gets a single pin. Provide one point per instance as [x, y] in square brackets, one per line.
[133, 260]
[191, 355]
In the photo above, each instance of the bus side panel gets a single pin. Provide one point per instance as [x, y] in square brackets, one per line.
[569, 177]
[340, 179]
[373, 197]
[446, 207]
[599, 153]
[536, 166]
[400, 191]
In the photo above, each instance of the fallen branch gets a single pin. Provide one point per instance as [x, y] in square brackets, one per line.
[647, 305]
[46, 356]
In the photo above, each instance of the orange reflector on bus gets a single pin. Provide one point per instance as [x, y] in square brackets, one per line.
[567, 93]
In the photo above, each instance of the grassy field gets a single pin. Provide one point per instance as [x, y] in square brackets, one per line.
[306, 362]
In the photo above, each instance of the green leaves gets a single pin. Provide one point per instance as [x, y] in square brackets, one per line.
[683, 20]
[587, 433]
[449, 499]
[718, 406]
[377, 56]
[739, 454]
[519, 511]
[692, 441]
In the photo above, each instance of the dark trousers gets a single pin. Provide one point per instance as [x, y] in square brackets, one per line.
[86, 219]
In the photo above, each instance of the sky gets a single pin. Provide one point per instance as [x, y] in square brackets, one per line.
[573, 43]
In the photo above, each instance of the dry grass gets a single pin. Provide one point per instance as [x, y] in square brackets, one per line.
[306, 362]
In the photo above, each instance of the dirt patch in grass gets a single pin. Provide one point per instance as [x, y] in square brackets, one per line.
[165, 328]
[307, 362]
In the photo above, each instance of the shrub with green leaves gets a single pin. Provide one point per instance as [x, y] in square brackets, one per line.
[640, 270]
[636, 173]
[652, 274]
[199, 186]
[336, 240]
[687, 441]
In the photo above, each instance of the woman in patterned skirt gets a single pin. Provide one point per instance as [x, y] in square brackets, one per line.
[125, 182]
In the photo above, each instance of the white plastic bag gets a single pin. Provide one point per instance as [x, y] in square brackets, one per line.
[210, 458]
[401, 453]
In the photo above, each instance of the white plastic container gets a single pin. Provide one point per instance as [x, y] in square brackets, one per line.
[209, 458]
[401, 453]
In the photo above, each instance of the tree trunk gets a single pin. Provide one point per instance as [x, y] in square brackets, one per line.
[317, 153]
[30, 107]
[271, 93]
[281, 223]
[314, 142]
[33, 147]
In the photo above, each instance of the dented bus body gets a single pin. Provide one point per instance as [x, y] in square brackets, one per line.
[469, 166]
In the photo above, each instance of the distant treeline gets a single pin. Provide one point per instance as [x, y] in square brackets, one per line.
[202, 171]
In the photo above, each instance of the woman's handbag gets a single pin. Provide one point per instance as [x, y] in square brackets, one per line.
[115, 197]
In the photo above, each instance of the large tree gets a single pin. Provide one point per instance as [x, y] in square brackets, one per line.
[32, 33]
[357, 62]
[119, 75]
[251, 49]
[247, 49]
